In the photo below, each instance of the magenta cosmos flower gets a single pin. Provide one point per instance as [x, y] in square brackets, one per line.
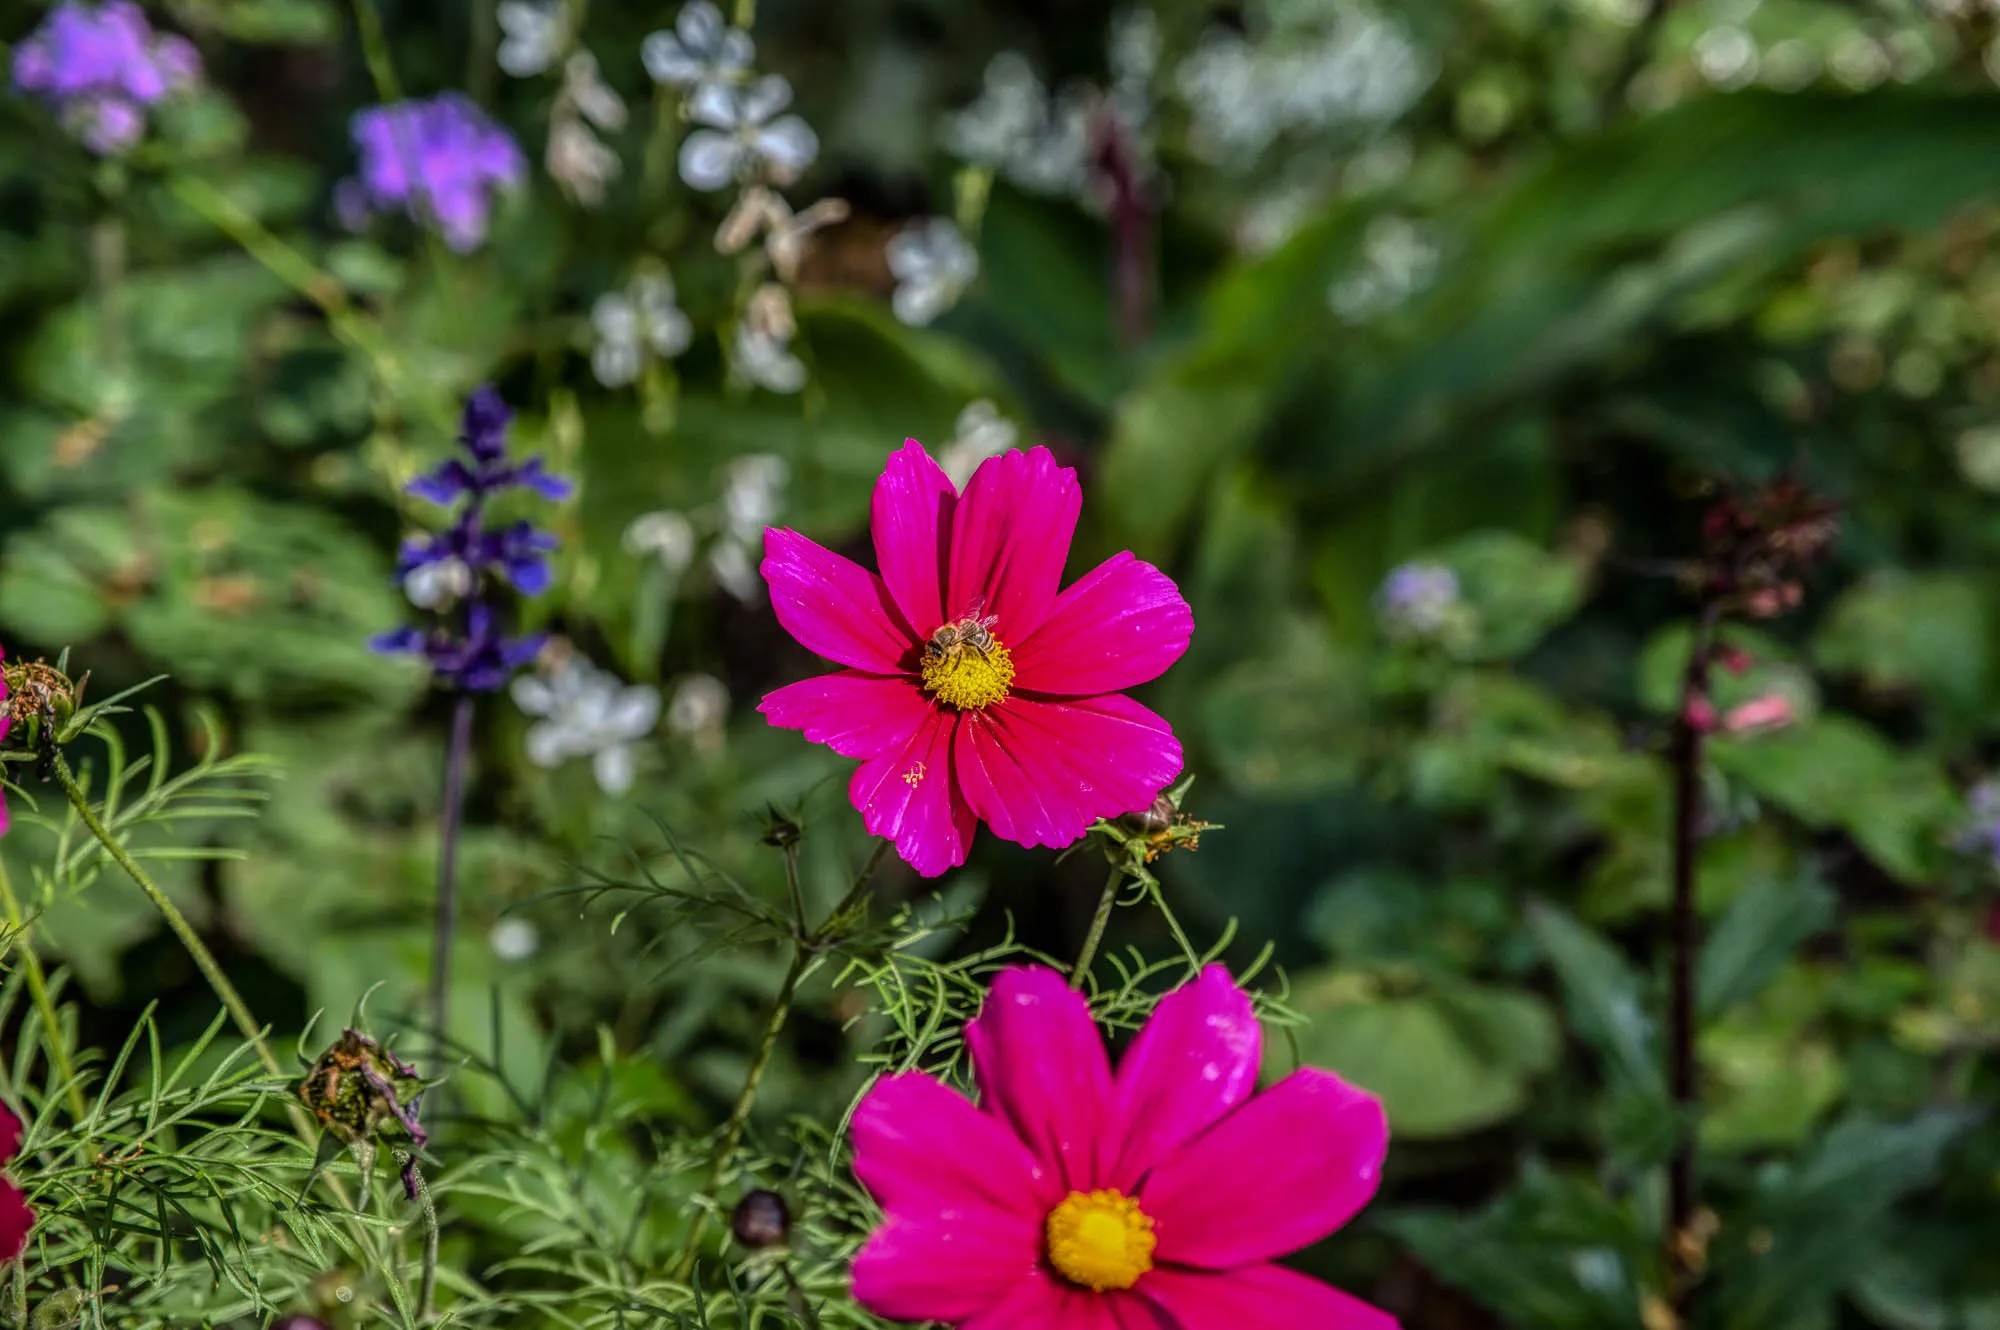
[1073, 1199]
[977, 690]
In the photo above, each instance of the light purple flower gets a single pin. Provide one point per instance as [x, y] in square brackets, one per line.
[1418, 600]
[438, 160]
[100, 68]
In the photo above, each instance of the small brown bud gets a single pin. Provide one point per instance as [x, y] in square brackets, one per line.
[762, 1219]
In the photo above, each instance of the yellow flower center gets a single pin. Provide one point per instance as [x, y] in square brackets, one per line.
[1100, 1240]
[965, 676]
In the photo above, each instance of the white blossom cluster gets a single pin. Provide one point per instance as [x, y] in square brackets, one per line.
[731, 529]
[538, 36]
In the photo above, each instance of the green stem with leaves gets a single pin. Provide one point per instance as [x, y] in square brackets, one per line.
[1079, 973]
[204, 959]
[427, 1288]
[807, 945]
[38, 990]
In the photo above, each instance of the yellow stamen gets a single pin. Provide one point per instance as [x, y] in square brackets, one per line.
[968, 678]
[1100, 1240]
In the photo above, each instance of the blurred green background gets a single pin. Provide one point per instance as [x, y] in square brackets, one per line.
[1308, 291]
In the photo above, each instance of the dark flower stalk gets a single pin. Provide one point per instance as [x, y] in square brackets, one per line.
[1756, 548]
[466, 648]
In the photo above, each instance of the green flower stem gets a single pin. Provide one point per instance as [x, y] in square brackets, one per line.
[204, 959]
[427, 1289]
[38, 989]
[1080, 972]
[447, 892]
[806, 947]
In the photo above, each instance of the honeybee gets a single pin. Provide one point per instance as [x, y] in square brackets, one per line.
[971, 631]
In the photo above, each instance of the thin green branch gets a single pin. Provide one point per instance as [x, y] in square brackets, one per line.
[1079, 973]
[38, 989]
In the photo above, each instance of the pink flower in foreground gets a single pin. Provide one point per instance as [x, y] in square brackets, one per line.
[16, 1219]
[977, 690]
[1073, 1199]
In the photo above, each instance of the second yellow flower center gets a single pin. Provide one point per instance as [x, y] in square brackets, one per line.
[965, 674]
[1100, 1240]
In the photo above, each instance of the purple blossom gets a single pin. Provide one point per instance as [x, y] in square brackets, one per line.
[471, 653]
[100, 68]
[437, 160]
[1418, 600]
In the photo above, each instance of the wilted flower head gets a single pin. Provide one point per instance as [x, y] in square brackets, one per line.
[100, 68]
[977, 688]
[1418, 600]
[745, 136]
[1076, 1197]
[576, 158]
[587, 712]
[933, 263]
[701, 49]
[362, 1093]
[786, 234]
[439, 161]
[537, 32]
[634, 325]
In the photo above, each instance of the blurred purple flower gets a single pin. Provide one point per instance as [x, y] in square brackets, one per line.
[100, 68]
[1418, 600]
[470, 653]
[437, 160]
[1981, 834]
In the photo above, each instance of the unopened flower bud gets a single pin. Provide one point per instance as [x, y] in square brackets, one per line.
[361, 1093]
[762, 1219]
[781, 830]
[1700, 715]
[1153, 820]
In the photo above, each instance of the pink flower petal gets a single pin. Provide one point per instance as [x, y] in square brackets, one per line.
[921, 1148]
[1010, 536]
[1039, 773]
[834, 606]
[1042, 1068]
[910, 794]
[1279, 1173]
[948, 1266]
[1120, 625]
[1263, 1295]
[1045, 1302]
[17, 1221]
[1196, 1060]
[911, 518]
[855, 714]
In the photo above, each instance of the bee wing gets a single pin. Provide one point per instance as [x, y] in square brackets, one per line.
[977, 607]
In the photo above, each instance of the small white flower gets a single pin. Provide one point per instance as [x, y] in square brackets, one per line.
[766, 360]
[981, 432]
[700, 705]
[432, 585]
[701, 49]
[746, 135]
[537, 34]
[735, 567]
[514, 940]
[644, 320]
[1398, 259]
[753, 495]
[587, 712]
[665, 535]
[933, 264]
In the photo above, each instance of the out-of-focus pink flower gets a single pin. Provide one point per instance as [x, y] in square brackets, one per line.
[17, 1221]
[1076, 1199]
[976, 688]
[1700, 715]
[1772, 711]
